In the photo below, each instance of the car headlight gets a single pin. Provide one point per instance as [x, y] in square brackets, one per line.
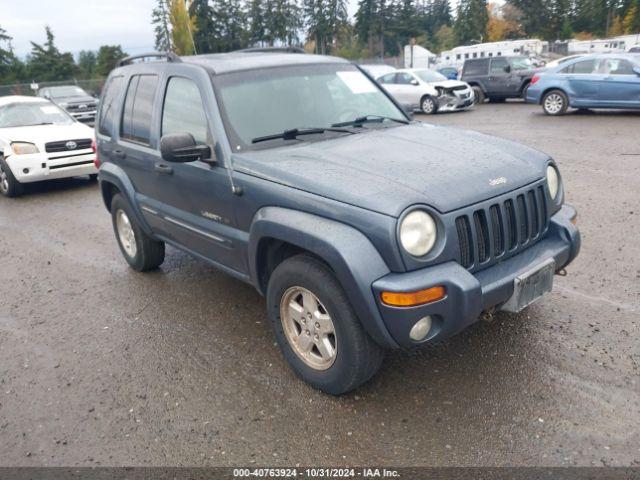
[23, 148]
[418, 233]
[553, 182]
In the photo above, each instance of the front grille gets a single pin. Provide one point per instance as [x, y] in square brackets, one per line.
[62, 146]
[459, 87]
[81, 107]
[502, 228]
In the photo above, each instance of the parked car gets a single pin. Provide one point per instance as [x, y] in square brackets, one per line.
[427, 90]
[498, 78]
[593, 81]
[76, 101]
[634, 49]
[450, 73]
[39, 141]
[377, 70]
[299, 175]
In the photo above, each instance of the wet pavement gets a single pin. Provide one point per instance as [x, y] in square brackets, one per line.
[100, 365]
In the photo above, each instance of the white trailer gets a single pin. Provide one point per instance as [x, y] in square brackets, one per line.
[604, 45]
[416, 56]
[455, 58]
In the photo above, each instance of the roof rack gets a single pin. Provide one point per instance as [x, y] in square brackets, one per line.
[169, 56]
[273, 50]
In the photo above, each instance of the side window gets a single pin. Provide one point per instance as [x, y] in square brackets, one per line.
[497, 66]
[478, 67]
[404, 78]
[388, 78]
[138, 106]
[109, 106]
[183, 110]
[616, 66]
[585, 66]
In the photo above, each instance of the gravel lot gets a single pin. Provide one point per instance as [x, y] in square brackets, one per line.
[100, 365]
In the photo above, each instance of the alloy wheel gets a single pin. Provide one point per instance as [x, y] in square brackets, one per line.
[553, 103]
[428, 105]
[4, 181]
[308, 328]
[126, 234]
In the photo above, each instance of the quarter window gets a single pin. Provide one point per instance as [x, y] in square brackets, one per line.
[109, 106]
[138, 105]
[388, 78]
[183, 110]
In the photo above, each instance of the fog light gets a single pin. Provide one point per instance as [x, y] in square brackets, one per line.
[421, 329]
[25, 170]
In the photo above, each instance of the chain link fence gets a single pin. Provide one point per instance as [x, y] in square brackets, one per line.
[93, 87]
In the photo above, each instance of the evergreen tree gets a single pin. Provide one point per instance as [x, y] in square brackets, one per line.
[471, 21]
[325, 19]
[207, 34]
[230, 22]
[256, 22]
[366, 25]
[631, 22]
[160, 22]
[87, 62]
[107, 58]
[46, 63]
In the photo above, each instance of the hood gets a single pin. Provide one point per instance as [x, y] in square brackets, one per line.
[449, 84]
[388, 169]
[77, 99]
[41, 134]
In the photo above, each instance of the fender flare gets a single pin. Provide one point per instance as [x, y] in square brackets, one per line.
[110, 173]
[354, 260]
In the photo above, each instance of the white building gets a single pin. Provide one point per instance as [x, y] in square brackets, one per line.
[457, 56]
[416, 56]
[616, 44]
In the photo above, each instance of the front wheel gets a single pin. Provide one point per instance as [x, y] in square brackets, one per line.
[9, 186]
[139, 250]
[478, 95]
[317, 329]
[428, 105]
[555, 102]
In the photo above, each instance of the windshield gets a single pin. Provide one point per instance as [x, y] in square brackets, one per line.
[71, 91]
[32, 113]
[521, 64]
[259, 103]
[430, 76]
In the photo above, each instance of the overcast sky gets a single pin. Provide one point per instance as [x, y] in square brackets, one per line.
[83, 24]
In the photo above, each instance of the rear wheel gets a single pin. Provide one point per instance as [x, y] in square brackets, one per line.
[555, 102]
[93, 177]
[478, 95]
[428, 105]
[9, 186]
[317, 329]
[139, 250]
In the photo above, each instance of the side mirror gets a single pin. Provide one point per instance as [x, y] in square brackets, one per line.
[182, 148]
[415, 82]
[507, 68]
[636, 70]
[408, 110]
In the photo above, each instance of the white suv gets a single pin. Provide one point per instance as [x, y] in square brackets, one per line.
[40, 141]
[427, 90]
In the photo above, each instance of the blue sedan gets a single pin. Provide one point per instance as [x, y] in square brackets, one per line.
[592, 81]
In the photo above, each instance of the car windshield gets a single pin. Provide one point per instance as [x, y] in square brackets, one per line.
[265, 102]
[521, 64]
[70, 91]
[430, 76]
[32, 113]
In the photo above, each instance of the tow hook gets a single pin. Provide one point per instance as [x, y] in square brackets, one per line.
[562, 272]
[487, 315]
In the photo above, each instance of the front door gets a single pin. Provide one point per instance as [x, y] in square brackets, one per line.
[192, 202]
[620, 85]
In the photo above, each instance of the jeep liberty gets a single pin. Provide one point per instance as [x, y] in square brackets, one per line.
[298, 174]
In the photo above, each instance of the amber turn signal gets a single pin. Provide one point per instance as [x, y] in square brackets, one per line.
[413, 299]
[574, 220]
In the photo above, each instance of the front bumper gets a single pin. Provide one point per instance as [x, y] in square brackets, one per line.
[456, 100]
[468, 295]
[40, 166]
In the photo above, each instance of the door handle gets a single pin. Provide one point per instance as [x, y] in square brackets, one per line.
[119, 154]
[163, 168]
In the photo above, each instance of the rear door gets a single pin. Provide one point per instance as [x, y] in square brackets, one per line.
[583, 81]
[407, 89]
[620, 85]
[498, 82]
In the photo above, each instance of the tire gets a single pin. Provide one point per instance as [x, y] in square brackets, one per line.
[555, 103]
[139, 249]
[93, 177]
[497, 100]
[428, 105]
[356, 357]
[9, 186]
[525, 90]
[478, 95]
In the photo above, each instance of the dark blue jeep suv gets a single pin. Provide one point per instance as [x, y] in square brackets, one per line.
[298, 174]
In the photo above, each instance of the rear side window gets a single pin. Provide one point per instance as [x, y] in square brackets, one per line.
[477, 67]
[498, 66]
[585, 66]
[109, 106]
[138, 106]
[183, 110]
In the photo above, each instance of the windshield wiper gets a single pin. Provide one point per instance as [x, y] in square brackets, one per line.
[294, 133]
[358, 122]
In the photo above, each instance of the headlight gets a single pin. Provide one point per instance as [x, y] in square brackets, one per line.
[553, 181]
[418, 233]
[23, 148]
